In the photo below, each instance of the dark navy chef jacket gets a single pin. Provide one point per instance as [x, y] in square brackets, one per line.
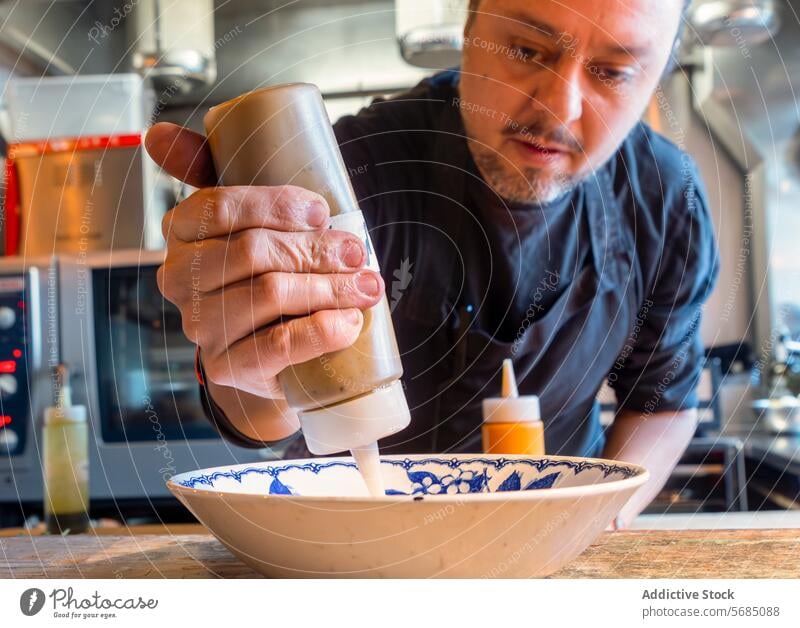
[606, 283]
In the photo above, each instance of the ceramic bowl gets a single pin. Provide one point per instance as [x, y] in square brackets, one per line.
[449, 516]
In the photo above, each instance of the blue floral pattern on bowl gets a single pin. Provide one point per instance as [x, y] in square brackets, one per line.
[423, 477]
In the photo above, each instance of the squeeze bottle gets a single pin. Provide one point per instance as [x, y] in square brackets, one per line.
[65, 454]
[281, 135]
[512, 424]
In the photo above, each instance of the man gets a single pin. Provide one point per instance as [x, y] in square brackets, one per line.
[519, 209]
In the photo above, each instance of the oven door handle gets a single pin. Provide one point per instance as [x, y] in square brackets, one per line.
[34, 312]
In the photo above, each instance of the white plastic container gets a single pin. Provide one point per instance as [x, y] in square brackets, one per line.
[76, 106]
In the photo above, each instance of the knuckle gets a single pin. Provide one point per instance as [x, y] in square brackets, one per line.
[248, 245]
[291, 203]
[206, 196]
[218, 371]
[283, 202]
[323, 248]
[345, 290]
[213, 210]
[280, 342]
[167, 283]
[328, 330]
[205, 336]
[292, 253]
[271, 289]
[217, 210]
[190, 330]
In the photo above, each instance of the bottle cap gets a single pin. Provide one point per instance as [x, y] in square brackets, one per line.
[69, 414]
[356, 423]
[511, 408]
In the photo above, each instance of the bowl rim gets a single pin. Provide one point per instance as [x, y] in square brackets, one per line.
[642, 475]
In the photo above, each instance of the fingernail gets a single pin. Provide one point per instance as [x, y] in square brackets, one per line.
[351, 253]
[368, 284]
[317, 214]
[353, 317]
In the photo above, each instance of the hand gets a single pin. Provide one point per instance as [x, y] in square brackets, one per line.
[240, 258]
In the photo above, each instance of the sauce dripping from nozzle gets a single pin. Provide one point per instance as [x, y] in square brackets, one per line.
[369, 464]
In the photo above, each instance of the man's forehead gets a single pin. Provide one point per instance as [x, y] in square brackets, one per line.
[558, 16]
[580, 7]
[622, 20]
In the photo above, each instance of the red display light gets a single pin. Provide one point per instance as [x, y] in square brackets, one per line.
[4, 420]
[17, 353]
[8, 366]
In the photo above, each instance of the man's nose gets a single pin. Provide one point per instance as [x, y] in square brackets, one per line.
[559, 92]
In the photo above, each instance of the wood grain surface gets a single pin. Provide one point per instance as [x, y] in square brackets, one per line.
[178, 553]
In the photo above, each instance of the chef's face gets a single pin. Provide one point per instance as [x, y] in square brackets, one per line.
[549, 89]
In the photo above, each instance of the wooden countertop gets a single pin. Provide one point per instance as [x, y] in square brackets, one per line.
[187, 551]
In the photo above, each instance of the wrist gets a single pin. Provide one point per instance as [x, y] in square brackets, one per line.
[243, 418]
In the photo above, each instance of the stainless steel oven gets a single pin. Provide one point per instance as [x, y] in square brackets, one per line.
[134, 370]
[29, 332]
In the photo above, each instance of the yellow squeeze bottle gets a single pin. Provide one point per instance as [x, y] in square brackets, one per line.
[512, 424]
[65, 463]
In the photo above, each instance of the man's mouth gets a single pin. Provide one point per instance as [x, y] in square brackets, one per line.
[540, 151]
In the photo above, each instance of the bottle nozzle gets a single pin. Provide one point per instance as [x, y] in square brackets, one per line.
[509, 388]
[64, 399]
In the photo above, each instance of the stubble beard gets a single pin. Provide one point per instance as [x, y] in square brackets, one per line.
[525, 185]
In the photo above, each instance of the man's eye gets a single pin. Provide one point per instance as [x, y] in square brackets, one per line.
[613, 75]
[524, 53]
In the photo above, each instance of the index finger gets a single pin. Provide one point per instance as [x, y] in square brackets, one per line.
[182, 153]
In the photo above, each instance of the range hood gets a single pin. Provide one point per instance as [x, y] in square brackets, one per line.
[173, 43]
[431, 33]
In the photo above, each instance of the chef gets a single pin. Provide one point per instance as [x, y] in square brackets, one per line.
[520, 209]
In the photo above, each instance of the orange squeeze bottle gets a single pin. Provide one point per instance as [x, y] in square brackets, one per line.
[512, 424]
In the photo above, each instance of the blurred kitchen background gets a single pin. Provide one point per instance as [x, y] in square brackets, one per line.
[82, 81]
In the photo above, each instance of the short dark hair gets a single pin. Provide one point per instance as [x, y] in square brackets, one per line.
[474, 4]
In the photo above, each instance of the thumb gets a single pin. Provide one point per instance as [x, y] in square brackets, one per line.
[182, 153]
